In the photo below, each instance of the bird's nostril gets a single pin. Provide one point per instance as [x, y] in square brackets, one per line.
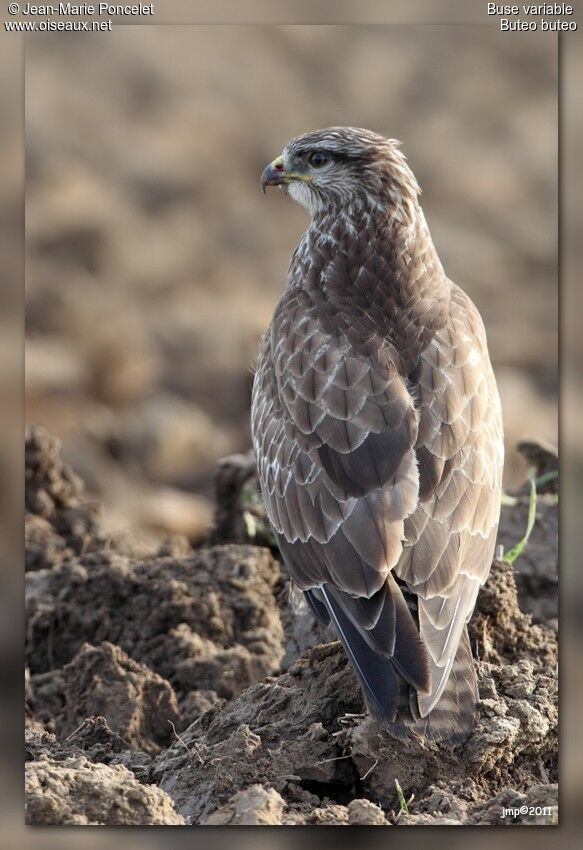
[278, 167]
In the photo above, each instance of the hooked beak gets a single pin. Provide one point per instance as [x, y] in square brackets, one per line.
[276, 175]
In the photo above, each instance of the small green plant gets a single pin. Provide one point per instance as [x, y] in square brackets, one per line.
[250, 524]
[508, 501]
[256, 523]
[403, 807]
[513, 553]
[547, 478]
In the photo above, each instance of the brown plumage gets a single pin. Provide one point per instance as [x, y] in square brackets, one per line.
[377, 430]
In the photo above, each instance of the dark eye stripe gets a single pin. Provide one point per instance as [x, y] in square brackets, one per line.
[338, 156]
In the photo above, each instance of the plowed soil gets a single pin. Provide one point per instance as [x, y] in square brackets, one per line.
[183, 687]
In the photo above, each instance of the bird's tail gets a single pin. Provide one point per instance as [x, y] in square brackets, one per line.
[390, 697]
[453, 717]
[382, 642]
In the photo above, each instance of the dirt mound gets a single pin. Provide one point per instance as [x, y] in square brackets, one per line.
[137, 704]
[77, 791]
[59, 523]
[304, 735]
[186, 684]
[208, 619]
[536, 571]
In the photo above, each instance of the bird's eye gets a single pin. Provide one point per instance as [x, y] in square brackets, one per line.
[317, 159]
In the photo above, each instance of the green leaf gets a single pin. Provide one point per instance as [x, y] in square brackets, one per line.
[512, 554]
[546, 478]
[250, 524]
[403, 807]
[508, 501]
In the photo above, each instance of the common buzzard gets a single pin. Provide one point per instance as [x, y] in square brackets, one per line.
[378, 433]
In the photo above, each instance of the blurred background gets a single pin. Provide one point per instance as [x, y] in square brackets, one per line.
[153, 262]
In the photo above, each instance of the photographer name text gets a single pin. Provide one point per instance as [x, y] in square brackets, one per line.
[87, 9]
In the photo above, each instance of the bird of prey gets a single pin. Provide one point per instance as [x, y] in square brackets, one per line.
[378, 434]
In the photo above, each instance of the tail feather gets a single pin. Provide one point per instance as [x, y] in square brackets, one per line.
[391, 698]
[390, 682]
[318, 607]
[379, 682]
[454, 715]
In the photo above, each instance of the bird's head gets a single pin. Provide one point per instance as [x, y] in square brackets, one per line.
[344, 168]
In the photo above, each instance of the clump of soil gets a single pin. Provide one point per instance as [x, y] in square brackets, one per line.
[139, 705]
[207, 621]
[535, 570]
[185, 686]
[81, 792]
[59, 525]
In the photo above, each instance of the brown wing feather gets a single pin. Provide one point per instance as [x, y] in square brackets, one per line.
[331, 426]
[339, 475]
[451, 536]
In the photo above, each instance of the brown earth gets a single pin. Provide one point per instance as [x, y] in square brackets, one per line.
[181, 687]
